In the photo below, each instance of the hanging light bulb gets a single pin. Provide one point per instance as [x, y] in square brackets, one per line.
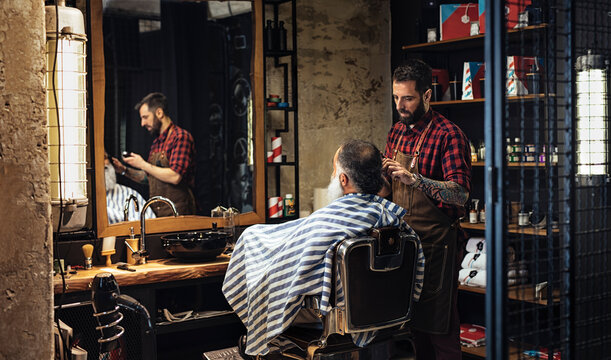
[592, 115]
[66, 115]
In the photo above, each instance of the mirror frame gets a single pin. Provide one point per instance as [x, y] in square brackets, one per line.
[184, 222]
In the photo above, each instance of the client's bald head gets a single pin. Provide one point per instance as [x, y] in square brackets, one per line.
[360, 167]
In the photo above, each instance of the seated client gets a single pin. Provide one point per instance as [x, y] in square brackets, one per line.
[117, 195]
[273, 267]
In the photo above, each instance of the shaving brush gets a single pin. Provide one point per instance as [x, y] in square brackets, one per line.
[108, 248]
[87, 252]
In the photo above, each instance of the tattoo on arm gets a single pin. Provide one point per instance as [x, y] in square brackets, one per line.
[138, 176]
[447, 192]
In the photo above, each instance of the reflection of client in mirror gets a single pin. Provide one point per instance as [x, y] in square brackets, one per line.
[170, 168]
[117, 197]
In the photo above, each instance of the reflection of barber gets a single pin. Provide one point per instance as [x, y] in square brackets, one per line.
[170, 167]
[428, 159]
[117, 195]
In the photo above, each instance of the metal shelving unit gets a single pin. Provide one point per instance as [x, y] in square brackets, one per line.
[286, 61]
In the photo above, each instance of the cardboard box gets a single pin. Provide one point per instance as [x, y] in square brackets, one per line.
[443, 79]
[517, 69]
[481, 10]
[472, 73]
[455, 20]
[472, 335]
[513, 8]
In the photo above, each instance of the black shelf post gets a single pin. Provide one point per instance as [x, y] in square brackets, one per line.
[281, 58]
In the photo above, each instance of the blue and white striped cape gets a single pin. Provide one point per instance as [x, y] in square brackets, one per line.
[115, 203]
[274, 266]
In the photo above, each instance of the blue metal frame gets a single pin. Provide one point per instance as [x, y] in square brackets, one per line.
[494, 130]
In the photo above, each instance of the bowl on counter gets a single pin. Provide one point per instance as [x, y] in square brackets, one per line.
[193, 246]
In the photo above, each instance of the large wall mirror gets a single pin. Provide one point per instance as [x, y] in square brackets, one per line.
[206, 58]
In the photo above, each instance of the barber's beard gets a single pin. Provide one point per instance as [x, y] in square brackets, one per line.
[334, 190]
[110, 177]
[156, 128]
[407, 117]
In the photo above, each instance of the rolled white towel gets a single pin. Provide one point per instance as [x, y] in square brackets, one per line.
[476, 245]
[472, 277]
[476, 277]
[474, 261]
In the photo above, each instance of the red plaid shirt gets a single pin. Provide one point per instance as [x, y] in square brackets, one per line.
[445, 154]
[179, 149]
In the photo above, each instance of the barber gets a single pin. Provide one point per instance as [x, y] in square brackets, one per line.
[170, 169]
[428, 162]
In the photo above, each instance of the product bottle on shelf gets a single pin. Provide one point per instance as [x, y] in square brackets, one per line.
[269, 36]
[281, 37]
[481, 151]
[473, 153]
[289, 205]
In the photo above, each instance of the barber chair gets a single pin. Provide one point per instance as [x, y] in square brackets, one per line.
[374, 280]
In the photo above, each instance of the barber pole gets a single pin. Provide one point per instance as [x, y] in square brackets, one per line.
[274, 207]
[270, 156]
[277, 149]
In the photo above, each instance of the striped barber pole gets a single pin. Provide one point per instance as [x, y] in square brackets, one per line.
[274, 207]
[277, 149]
[467, 91]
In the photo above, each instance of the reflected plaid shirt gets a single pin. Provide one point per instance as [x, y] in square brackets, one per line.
[179, 149]
[445, 154]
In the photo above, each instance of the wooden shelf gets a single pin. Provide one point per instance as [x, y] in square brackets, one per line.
[276, 108]
[511, 228]
[524, 293]
[471, 42]
[521, 98]
[284, 163]
[480, 351]
[514, 165]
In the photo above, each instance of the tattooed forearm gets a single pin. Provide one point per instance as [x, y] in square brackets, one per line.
[137, 175]
[448, 192]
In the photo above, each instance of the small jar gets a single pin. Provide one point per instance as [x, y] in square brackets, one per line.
[473, 216]
[289, 205]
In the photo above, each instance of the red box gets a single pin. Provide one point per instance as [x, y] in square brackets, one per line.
[455, 20]
[444, 80]
[472, 335]
[471, 86]
[517, 68]
[513, 8]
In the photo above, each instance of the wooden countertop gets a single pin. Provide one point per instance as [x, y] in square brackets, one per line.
[154, 271]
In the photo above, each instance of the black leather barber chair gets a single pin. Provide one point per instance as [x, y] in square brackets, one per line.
[377, 275]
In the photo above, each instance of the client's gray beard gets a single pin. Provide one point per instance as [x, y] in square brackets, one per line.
[334, 190]
[110, 177]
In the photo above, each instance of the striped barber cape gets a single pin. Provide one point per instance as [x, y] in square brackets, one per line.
[273, 267]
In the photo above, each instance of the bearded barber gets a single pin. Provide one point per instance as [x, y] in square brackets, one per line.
[170, 169]
[428, 164]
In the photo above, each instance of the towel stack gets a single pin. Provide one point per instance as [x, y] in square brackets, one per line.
[473, 266]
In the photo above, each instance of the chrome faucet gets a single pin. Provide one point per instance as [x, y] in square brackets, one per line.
[126, 207]
[142, 253]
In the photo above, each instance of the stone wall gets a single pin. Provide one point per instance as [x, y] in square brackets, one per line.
[344, 82]
[26, 314]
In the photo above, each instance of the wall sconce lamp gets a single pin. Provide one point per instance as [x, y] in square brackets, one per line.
[592, 115]
[66, 115]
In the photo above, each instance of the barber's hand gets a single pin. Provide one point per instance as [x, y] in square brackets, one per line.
[119, 167]
[135, 160]
[396, 171]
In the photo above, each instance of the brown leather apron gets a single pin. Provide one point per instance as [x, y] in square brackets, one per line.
[180, 194]
[439, 238]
